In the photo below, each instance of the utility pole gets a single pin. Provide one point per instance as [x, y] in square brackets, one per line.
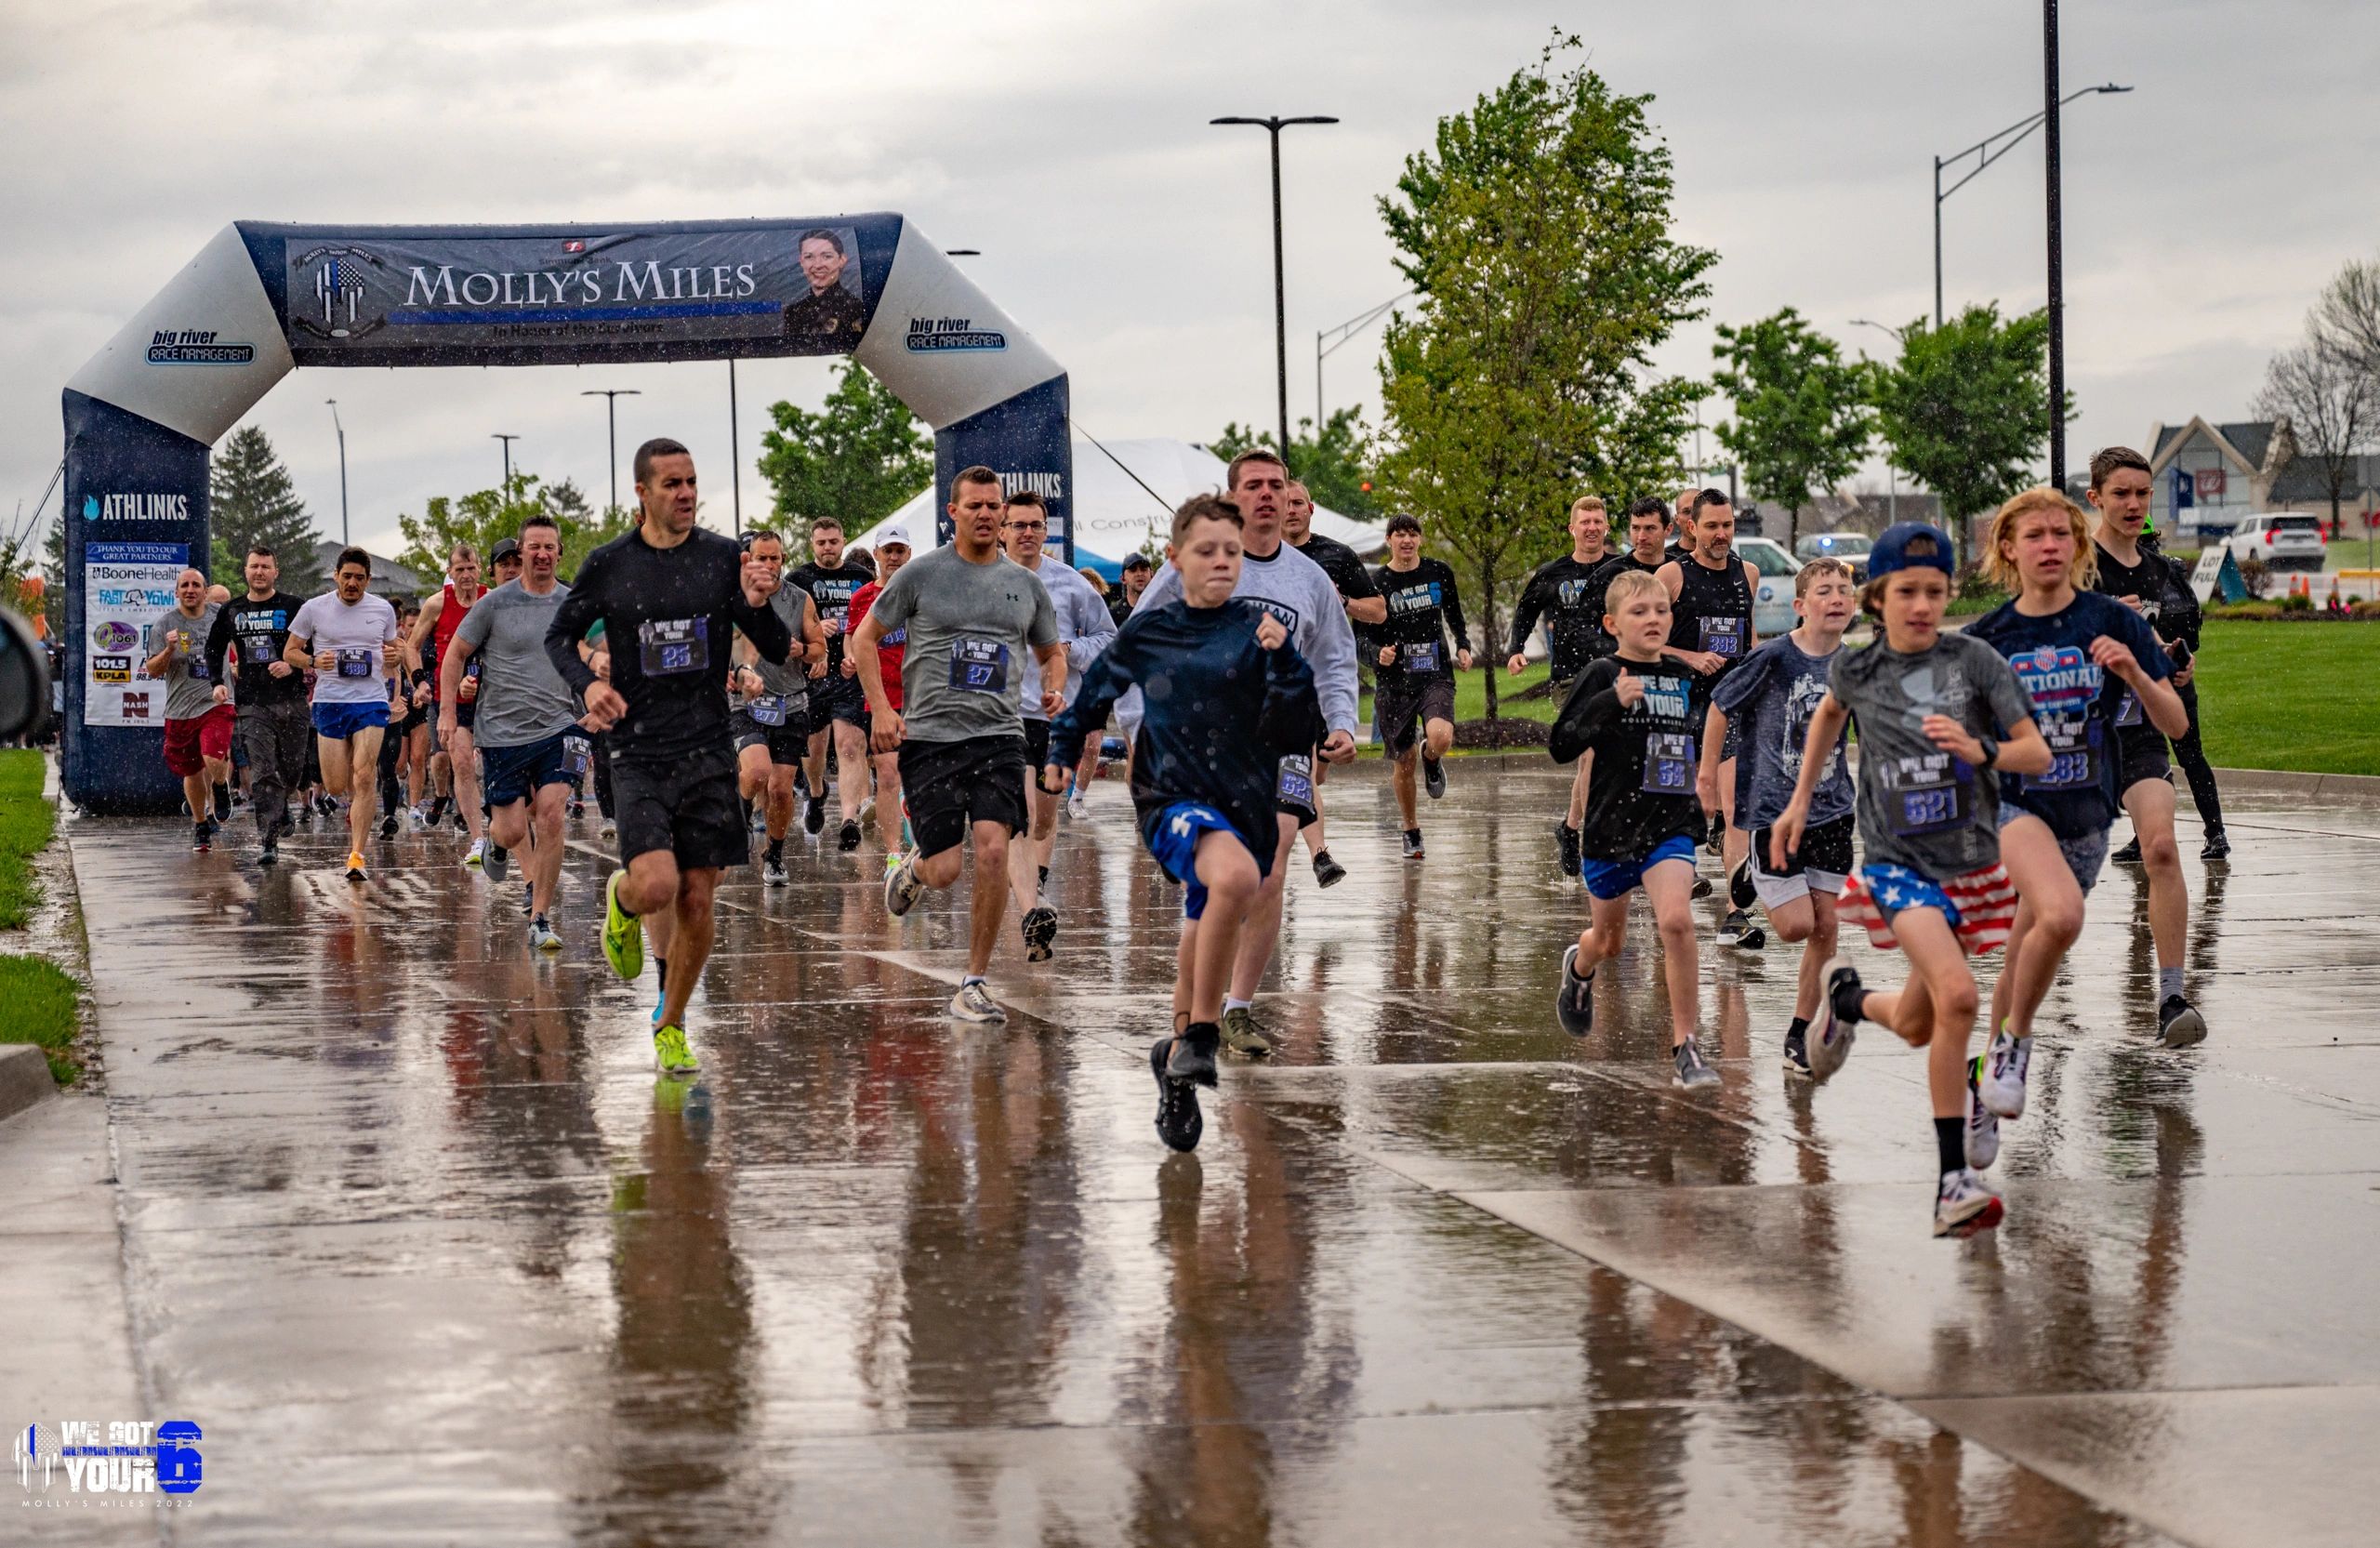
[343, 540]
[1273, 126]
[611, 396]
[2056, 258]
[508, 440]
[734, 463]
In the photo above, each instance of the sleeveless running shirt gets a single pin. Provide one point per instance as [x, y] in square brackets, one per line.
[1714, 612]
[450, 618]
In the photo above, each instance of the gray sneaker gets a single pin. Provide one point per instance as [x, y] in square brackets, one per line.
[902, 888]
[1241, 1034]
[973, 1002]
[1693, 1075]
[493, 862]
[542, 936]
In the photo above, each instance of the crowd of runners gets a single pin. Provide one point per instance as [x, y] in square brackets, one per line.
[1953, 792]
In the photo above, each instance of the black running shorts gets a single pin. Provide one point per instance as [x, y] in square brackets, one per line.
[1402, 705]
[949, 786]
[1037, 748]
[2142, 750]
[786, 743]
[688, 806]
[837, 697]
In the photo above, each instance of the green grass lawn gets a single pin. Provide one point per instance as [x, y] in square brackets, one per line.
[2304, 696]
[27, 823]
[42, 1011]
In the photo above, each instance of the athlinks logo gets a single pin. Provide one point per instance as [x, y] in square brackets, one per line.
[135, 507]
[85, 1464]
[931, 335]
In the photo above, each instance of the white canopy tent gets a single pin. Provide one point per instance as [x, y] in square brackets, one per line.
[1125, 491]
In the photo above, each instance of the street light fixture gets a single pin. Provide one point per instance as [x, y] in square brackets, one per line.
[1989, 149]
[1273, 126]
[508, 440]
[1892, 474]
[343, 541]
[611, 396]
[1346, 332]
[962, 252]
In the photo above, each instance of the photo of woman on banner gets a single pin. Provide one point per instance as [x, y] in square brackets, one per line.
[832, 312]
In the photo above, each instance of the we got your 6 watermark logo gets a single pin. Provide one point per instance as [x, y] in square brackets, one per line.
[125, 1462]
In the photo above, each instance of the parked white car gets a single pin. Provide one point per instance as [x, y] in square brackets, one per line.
[1772, 604]
[2282, 539]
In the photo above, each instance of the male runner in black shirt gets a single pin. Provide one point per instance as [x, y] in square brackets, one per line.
[1365, 606]
[669, 596]
[253, 630]
[1414, 681]
[1567, 592]
[1711, 594]
[837, 705]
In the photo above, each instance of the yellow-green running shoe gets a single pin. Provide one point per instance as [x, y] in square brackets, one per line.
[670, 1051]
[623, 935]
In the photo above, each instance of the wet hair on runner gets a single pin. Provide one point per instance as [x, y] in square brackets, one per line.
[861, 558]
[977, 474]
[1204, 508]
[827, 524]
[2111, 461]
[2081, 570]
[1027, 497]
[1587, 502]
[540, 519]
[1816, 570]
[261, 549]
[1626, 583]
[1404, 520]
[1254, 455]
[1710, 496]
[660, 445]
[760, 534]
[1649, 506]
[353, 556]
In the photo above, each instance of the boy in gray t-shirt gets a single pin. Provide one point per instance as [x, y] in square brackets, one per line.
[1938, 714]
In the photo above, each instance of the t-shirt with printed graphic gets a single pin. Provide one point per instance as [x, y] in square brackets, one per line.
[1919, 806]
[831, 592]
[969, 627]
[669, 616]
[1772, 698]
[354, 632]
[1641, 789]
[2076, 702]
[1422, 605]
[788, 681]
[253, 634]
[1566, 595]
[190, 679]
[521, 698]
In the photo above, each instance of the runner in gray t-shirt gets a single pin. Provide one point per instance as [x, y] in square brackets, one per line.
[198, 750]
[972, 615]
[527, 726]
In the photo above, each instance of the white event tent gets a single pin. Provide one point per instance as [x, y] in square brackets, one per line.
[1124, 496]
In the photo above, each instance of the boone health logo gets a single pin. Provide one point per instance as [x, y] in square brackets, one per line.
[121, 1457]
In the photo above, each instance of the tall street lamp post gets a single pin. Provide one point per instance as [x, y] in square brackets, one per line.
[508, 440]
[1346, 332]
[1987, 150]
[1273, 126]
[611, 396]
[343, 540]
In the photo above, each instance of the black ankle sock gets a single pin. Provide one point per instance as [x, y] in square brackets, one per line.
[1850, 1000]
[1796, 1029]
[777, 849]
[1412, 832]
[661, 971]
[1950, 1144]
[1043, 879]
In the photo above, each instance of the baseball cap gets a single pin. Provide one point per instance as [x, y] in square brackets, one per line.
[896, 532]
[506, 547]
[1138, 561]
[1894, 545]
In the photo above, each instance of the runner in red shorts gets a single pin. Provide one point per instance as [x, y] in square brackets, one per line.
[199, 716]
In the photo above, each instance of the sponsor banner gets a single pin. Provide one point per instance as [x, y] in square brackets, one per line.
[790, 289]
[125, 587]
[941, 345]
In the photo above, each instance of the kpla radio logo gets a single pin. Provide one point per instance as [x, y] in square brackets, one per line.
[90, 1463]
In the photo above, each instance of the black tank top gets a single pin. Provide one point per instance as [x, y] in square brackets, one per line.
[1713, 612]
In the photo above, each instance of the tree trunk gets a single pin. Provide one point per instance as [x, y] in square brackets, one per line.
[1488, 628]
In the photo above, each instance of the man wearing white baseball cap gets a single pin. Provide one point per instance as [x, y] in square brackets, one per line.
[892, 552]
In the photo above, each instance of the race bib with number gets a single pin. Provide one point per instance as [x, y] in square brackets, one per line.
[2074, 757]
[667, 647]
[979, 665]
[1724, 637]
[1927, 794]
[577, 752]
[2128, 711]
[196, 667]
[358, 661]
[259, 651]
[1296, 787]
[1423, 657]
[1669, 764]
[768, 709]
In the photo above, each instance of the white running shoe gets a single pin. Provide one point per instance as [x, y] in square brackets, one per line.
[477, 854]
[1964, 1205]
[1078, 807]
[1983, 1125]
[973, 1002]
[2001, 1081]
[902, 888]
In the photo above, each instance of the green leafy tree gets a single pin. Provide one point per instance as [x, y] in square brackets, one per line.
[485, 515]
[1964, 408]
[53, 569]
[1802, 421]
[252, 500]
[856, 460]
[1536, 235]
[1335, 465]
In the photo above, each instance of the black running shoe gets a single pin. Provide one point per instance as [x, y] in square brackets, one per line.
[1433, 776]
[1566, 839]
[2129, 854]
[813, 814]
[1179, 1121]
[1691, 1072]
[1193, 1060]
[1701, 886]
[2178, 1022]
[1413, 846]
[849, 839]
[1797, 1055]
[222, 804]
[269, 852]
[389, 825]
[1574, 1003]
[202, 837]
[2218, 845]
[1740, 892]
[1040, 926]
[1326, 871]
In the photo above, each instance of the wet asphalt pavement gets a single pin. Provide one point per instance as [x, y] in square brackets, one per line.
[414, 1234]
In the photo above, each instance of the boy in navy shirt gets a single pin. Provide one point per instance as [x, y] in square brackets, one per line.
[1212, 670]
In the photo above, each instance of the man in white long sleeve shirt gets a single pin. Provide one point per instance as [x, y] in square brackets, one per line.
[1084, 627]
[1295, 589]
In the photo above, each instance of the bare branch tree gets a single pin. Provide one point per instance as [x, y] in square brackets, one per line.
[2326, 397]
[2345, 320]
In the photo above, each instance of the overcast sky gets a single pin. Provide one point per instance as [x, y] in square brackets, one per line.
[1068, 141]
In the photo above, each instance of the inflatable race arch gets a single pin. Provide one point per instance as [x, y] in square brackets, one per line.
[261, 300]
